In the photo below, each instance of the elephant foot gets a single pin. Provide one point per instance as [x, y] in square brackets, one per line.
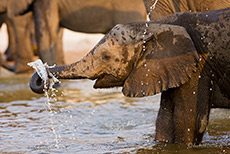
[9, 56]
[16, 69]
[4, 64]
[22, 69]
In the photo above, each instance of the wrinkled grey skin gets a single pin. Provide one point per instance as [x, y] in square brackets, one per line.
[166, 7]
[89, 16]
[185, 56]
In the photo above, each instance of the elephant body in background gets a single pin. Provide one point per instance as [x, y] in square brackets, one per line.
[184, 56]
[166, 7]
[19, 24]
[89, 16]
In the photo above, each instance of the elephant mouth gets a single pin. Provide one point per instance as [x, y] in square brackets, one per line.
[108, 81]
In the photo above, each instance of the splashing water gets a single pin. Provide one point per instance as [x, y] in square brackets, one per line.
[44, 75]
[42, 72]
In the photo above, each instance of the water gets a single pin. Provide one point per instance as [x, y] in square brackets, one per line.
[85, 120]
[90, 121]
[43, 74]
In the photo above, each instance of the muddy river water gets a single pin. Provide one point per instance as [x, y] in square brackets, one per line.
[91, 121]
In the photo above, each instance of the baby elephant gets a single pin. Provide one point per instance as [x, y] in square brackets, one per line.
[186, 56]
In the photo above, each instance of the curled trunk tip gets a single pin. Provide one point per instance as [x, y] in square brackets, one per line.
[37, 84]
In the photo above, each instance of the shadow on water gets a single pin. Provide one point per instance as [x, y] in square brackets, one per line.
[91, 121]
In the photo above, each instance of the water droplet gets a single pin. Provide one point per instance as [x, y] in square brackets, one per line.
[190, 110]
[147, 74]
[188, 130]
[210, 57]
[148, 70]
[206, 15]
[199, 76]
[194, 93]
[145, 65]
[210, 89]
[159, 82]
[213, 74]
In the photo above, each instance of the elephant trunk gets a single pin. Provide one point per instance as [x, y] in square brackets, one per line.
[78, 70]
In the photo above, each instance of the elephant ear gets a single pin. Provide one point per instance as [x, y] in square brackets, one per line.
[168, 59]
[18, 7]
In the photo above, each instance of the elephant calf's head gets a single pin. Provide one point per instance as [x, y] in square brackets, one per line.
[144, 60]
[115, 56]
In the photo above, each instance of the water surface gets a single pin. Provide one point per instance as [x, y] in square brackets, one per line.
[91, 121]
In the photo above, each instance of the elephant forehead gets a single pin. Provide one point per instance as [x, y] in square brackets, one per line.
[132, 33]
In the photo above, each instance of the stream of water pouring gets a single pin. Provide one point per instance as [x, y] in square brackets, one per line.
[152, 7]
[41, 70]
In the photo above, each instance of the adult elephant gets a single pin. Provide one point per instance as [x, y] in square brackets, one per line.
[166, 7]
[18, 21]
[181, 55]
[91, 16]
[11, 49]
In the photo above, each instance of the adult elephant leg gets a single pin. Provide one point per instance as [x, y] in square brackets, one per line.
[164, 122]
[59, 48]
[11, 49]
[24, 52]
[48, 31]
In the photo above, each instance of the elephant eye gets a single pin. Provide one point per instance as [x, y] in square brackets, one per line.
[106, 56]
